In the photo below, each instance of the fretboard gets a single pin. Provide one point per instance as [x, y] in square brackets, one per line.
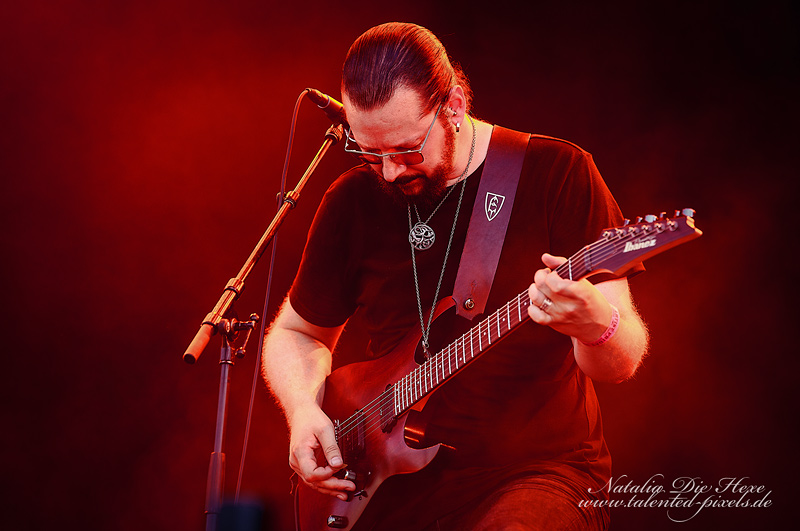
[446, 363]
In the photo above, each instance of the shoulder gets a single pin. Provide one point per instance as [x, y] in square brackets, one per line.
[548, 151]
[358, 185]
[555, 145]
[357, 180]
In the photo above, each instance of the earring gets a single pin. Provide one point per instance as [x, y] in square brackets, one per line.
[458, 127]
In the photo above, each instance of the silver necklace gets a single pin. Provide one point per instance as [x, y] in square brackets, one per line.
[421, 236]
[426, 328]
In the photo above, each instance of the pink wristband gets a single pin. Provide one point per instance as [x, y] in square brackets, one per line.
[612, 328]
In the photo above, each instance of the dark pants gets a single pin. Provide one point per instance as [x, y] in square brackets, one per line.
[530, 504]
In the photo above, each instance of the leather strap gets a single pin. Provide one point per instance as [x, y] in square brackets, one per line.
[489, 222]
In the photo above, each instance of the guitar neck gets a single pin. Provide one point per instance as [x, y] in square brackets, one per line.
[447, 362]
[617, 250]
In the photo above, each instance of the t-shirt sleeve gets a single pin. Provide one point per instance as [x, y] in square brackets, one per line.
[322, 292]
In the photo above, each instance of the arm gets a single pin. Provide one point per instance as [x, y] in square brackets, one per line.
[583, 312]
[296, 361]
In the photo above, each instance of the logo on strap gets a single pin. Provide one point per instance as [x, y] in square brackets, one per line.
[493, 204]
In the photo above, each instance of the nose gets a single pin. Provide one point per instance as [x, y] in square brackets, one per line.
[392, 170]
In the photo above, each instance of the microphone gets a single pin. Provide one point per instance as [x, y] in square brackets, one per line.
[332, 108]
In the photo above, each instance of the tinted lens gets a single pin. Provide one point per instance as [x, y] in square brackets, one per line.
[408, 159]
[369, 159]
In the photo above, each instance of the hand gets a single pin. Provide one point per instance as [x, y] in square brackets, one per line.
[577, 308]
[313, 452]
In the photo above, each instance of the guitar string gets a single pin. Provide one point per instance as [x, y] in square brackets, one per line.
[419, 382]
[373, 419]
[416, 380]
[420, 377]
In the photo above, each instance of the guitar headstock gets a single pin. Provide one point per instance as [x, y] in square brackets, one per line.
[621, 247]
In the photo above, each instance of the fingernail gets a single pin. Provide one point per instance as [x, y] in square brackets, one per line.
[336, 461]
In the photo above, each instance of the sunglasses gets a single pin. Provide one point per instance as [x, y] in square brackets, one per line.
[406, 158]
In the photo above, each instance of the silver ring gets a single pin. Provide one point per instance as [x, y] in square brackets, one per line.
[545, 305]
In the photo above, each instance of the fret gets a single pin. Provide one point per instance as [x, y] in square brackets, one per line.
[401, 389]
[428, 377]
[441, 360]
[449, 363]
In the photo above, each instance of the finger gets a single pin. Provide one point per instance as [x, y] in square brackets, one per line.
[332, 485]
[309, 465]
[538, 315]
[330, 492]
[540, 281]
[535, 311]
[552, 261]
[536, 295]
[327, 440]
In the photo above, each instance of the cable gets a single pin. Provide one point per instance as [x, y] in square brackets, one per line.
[257, 371]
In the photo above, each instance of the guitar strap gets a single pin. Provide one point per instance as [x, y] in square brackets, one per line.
[489, 222]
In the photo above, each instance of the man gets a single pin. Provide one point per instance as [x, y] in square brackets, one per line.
[521, 424]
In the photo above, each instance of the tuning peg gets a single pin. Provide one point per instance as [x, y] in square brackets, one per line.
[639, 219]
[688, 212]
[626, 222]
[650, 218]
[662, 215]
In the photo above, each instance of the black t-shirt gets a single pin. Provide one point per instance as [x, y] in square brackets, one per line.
[525, 405]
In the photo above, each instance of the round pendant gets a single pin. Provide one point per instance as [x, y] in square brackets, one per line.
[421, 236]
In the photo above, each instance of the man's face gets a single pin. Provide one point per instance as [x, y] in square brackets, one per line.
[401, 125]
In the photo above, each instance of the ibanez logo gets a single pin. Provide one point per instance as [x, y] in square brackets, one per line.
[635, 246]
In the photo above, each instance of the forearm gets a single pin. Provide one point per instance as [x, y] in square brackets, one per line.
[583, 312]
[618, 358]
[296, 361]
[295, 368]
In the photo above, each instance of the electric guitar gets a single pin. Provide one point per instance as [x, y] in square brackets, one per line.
[373, 403]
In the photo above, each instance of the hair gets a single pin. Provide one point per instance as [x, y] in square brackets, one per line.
[398, 54]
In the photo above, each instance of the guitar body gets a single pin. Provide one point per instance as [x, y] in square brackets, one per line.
[385, 454]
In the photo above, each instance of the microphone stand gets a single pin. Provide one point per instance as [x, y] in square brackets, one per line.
[217, 321]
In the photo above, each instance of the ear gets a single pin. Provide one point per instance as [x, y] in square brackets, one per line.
[456, 106]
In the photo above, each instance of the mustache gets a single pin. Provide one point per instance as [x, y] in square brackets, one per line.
[404, 179]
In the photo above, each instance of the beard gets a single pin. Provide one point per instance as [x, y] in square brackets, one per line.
[424, 190]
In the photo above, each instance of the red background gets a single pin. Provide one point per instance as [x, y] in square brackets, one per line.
[142, 145]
